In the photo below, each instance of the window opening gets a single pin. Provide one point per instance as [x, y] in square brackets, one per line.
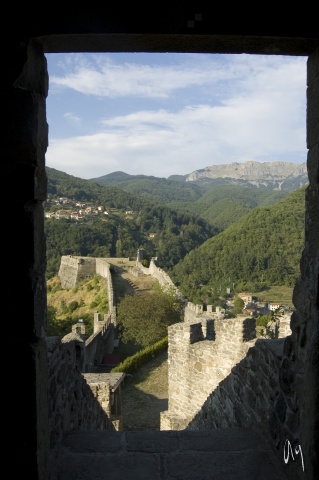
[167, 116]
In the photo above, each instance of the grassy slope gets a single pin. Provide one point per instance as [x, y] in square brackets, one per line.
[145, 395]
[280, 294]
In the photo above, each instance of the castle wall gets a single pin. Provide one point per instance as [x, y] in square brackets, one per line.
[161, 276]
[107, 389]
[249, 397]
[100, 343]
[103, 268]
[23, 153]
[72, 404]
[195, 312]
[221, 376]
[200, 356]
[217, 370]
[73, 269]
[284, 326]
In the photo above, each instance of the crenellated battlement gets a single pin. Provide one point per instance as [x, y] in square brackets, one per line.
[208, 355]
[161, 276]
[194, 312]
[200, 355]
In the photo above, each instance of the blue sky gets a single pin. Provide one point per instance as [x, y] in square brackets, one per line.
[171, 113]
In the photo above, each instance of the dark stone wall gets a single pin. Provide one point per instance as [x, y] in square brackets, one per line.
[72, 404]
[92, 28]
[249, 397]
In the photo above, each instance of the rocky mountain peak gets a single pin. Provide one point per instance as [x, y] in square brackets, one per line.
[275, 175]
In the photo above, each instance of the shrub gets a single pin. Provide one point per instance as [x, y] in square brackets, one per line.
[130, 364]
[74, 305]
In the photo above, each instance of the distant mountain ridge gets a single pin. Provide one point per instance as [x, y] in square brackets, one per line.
[277, 175]
[274, 175]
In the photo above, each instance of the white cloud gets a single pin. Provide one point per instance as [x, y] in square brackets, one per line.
[72, 117]
[217, 109]
[102, 77]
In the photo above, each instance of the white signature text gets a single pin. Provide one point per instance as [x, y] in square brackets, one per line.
[289, 452]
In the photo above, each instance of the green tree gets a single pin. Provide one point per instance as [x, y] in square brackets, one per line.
[263, 320]
[52, 322]
[144, 318]
[74, 305]
[238, 304]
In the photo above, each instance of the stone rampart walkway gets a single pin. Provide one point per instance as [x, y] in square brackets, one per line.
[168, 455]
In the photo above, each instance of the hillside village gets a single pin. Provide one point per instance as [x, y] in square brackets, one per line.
[66, 208]
[256, 308]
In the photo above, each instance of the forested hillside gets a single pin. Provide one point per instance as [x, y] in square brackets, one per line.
[132, 222]
[258, 239]
[155, 189]
[61, 184]
[223, 205]
[263, 248]
[220, 205]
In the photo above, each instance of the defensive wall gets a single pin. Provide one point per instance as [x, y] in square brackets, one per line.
[249, 395]
[80, 397]
[74, 269]
[100, 343]
[90, 352]
[161, 276]
[72, 403]
[219, 374]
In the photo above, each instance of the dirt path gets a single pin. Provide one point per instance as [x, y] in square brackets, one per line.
[125, 282]
[145, 393]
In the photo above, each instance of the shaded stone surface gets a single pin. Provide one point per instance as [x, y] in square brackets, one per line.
[228, 454]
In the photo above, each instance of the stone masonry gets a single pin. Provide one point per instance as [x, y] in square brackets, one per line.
[221, 376]
[82, 398]
[31, 34]
[73, 405]
[74, 268]
[249, 396]
[210, 357]
[200, 356]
